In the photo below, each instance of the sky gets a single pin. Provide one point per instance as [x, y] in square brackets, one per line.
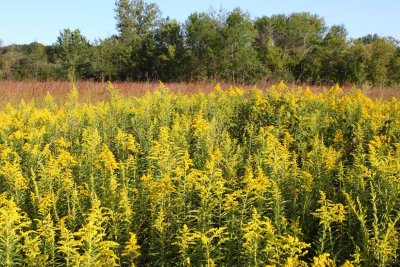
[26, 21]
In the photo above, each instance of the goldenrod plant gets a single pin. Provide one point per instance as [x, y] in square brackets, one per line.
[277, 177]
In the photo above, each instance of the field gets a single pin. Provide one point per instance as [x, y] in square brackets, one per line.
[14, 91]
[198, 176]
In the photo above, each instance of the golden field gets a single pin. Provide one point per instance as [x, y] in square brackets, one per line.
[226, 177]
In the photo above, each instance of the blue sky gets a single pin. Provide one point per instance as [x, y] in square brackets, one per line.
[25, 21]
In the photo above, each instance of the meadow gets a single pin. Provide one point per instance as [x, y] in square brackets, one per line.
[198, 175]
[89, 91]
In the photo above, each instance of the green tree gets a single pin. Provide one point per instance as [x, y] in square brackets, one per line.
[329, 61]
[276, 61]
[283, 42]
[202, 43]
[239, 62]
[169, 50]
[135, 19]
[380, 52]
[73, 53]
[32, 63]
[9, 58]
[111, 59]
[357, 62]
[394, 70]
[125, 24]
[136, 23]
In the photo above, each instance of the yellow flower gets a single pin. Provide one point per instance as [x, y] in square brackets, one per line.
[108, 159]
[132, 249]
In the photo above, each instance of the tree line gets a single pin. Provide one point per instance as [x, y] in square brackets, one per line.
[216, 45]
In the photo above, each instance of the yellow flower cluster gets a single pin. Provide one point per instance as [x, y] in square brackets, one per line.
[277, 177]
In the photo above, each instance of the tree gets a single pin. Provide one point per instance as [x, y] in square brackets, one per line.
[356, 62]
[275, 59]
[33, 63]
[394, 69]
[169, 50]
[111, 60]
[161, 54]
[381, 51]
[9, 59]
[136, 23]
[285, 41]
[26, 62]
[329, 61]
[125, 24]
[73, 52]
[238, 57]
[202, 42]
[135, 19]
[335, 56]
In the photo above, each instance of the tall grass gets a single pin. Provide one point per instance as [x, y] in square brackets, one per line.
[14, 91]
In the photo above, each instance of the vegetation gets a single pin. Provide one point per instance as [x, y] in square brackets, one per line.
[230, 178]
[93, 92]
[210, 46]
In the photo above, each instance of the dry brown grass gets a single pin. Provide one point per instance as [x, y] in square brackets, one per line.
[14, 91]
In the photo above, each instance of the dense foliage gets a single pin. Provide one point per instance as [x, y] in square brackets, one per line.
[210, 46]
[232, 178]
